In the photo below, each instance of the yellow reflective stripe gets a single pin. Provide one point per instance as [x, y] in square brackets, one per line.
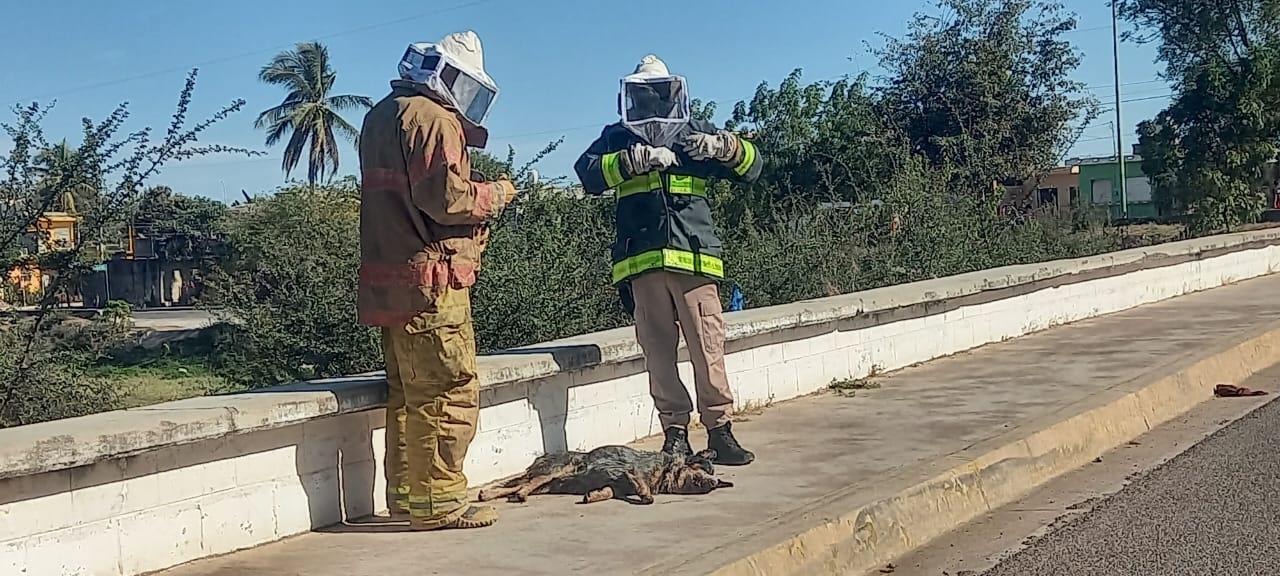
[748, 158]
[423, 514]
[688, 185]
[678, 259]
[611, 165]
[633, 265]
[640, 184]
[710, 265]
[398, 490]
[668, 258]
[427, 500]
[428, 506]
[691, 185]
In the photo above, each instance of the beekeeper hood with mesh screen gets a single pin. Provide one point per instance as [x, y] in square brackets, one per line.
[654, 103]
[452, 71]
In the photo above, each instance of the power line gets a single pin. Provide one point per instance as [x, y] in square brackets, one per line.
[1144, 99]
[1160, 97]
[1093, 29]
[256, 52]
[1123, 84]
[1110, 126]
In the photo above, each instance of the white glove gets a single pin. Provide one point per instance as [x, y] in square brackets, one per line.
[644, 158]
[721, 146]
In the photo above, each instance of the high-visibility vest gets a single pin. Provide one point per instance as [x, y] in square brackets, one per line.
[663, 219]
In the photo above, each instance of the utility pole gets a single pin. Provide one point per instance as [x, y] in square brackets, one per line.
[1115, 62]
[106, 268]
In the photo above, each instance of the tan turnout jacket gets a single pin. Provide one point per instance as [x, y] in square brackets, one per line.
[422, 220]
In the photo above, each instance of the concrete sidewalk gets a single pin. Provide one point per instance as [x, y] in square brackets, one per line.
[807, 451]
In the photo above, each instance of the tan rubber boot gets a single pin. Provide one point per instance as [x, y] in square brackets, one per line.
[470, 517]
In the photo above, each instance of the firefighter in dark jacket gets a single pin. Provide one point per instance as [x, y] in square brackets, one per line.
[667, 259]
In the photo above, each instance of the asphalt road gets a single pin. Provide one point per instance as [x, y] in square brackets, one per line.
[1213, 510]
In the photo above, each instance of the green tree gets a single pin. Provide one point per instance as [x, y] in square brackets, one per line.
[1208, 151]
[1191, 34]
[44, 357]
[826, 142]
[309, 114]
[62, 167]
[702, 110]
[290, 304]
[868, 185]
[546, 272]
[192, 227]
[986, 91]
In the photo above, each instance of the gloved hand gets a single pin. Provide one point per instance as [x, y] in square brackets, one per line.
[506, 192]
[722, 146]
[627, 298]
[642, 158]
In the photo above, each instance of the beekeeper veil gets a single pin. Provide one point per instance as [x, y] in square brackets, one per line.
[654, 103]
[453, 69]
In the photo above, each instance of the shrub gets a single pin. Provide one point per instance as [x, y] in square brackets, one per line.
[48, 381]
[287, 290]
[546, 273]
[43, 357]
[289, 287]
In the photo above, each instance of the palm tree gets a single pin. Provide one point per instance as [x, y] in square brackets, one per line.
[308, 111]
[67, 185]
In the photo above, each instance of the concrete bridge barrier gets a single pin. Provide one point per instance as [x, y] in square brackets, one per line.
[134, 491]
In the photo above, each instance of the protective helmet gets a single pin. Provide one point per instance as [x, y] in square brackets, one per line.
[653, 103]
[453, 69]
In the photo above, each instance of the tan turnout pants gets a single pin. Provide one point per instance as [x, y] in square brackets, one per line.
[433, 407]
[668, 303]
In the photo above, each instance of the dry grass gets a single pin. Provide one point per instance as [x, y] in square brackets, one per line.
[851, 386]
[154, 382]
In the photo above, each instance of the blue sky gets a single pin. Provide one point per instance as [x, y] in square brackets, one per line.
[556, 61]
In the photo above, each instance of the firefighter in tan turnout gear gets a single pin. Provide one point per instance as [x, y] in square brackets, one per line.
[423, 228]
[667, 258]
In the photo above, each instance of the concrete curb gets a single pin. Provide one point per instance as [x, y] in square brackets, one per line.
[861, 528]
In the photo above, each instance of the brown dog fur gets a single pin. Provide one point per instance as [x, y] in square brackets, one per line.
[611, 472]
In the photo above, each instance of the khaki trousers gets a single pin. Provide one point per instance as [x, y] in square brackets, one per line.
[433, 408]
[668, 303]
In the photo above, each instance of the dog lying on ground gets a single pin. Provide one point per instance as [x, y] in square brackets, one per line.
[611, 472]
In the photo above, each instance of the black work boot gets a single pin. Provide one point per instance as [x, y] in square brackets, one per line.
[728, 451]
[677, 443]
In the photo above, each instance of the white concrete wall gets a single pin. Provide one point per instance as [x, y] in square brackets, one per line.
[158, 509]
[131, 515]
[610, 404]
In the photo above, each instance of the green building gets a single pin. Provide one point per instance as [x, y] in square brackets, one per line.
[1099, 186]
